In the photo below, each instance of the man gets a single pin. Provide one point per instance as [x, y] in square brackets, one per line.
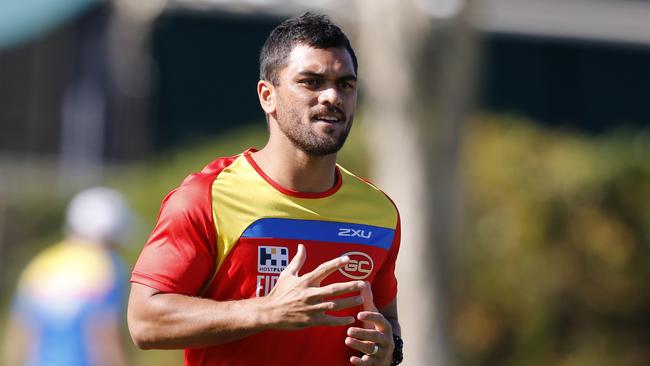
[69, 302]
[259, 259]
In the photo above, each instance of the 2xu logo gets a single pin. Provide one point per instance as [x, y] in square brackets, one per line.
[359, 267]
[353, 232]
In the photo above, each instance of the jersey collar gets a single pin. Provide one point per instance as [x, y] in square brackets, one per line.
[290, 192]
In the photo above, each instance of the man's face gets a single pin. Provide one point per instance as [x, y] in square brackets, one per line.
[316, 98]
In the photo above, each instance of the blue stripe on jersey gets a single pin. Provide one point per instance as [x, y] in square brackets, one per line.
[337, 232]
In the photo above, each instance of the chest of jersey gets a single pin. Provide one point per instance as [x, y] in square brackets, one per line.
[259, 229]
[265, 248]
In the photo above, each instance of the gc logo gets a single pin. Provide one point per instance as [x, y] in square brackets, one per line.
[359, 267]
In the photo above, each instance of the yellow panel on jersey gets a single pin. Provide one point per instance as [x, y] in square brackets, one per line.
[242, 195]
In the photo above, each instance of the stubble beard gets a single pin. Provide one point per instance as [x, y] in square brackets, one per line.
[306, 139]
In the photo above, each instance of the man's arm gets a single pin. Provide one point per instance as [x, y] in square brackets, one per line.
[390, 313]
[169, 321]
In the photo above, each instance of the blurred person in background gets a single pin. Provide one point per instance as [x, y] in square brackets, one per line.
[69, 303]
[252, 259]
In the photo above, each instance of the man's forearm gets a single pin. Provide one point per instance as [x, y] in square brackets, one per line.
[167, 321]
[171, 321]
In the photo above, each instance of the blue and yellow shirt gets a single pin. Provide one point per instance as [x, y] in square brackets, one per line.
[62, 293]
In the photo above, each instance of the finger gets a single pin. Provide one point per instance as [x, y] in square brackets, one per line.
[366, 292]
[369, 335]
[333, 321]
[339, 304]
[361, 346]
[325, 269]
[340, 288]
[368, 302]
[377, 320]
[297, 262]
[363, 361]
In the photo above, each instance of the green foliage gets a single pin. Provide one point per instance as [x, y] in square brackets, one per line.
[556, 247]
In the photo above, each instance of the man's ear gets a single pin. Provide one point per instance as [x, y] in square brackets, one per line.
[266, 95]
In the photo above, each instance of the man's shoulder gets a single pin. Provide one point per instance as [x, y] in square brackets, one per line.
[205, 177]
[365, 190]
[195, 190]
[218, 164]
[360, 182]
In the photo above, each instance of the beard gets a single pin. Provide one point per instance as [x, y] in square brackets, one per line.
[304, 137]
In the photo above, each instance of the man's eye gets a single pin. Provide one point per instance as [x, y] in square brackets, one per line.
[311, 82]
[346, 85]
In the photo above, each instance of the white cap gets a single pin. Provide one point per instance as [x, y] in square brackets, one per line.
[99, 214]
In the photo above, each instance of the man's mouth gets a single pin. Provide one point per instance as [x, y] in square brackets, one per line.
[329, 118]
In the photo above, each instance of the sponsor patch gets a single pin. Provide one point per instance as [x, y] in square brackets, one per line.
[350, 232]
[359, 267]
[272, 259]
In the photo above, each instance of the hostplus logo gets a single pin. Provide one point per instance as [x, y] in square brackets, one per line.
[272, 259]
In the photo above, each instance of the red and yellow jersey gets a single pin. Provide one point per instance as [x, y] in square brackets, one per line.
[226, 234]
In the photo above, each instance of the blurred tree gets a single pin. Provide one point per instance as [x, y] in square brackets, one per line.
[417, 64]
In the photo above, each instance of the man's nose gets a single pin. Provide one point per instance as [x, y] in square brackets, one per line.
[330, 96]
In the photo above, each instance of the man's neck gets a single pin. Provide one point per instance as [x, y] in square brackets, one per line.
[293, 169]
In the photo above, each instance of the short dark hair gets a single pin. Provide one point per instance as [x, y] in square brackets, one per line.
[314, 30]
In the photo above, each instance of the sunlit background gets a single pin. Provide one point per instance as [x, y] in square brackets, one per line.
[514, 135]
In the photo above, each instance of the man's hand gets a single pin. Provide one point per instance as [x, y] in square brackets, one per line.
[298, 301]
[375, 339]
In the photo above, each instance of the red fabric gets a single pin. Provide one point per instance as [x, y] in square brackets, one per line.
[310, 346]
[384, 286]
[180, 254]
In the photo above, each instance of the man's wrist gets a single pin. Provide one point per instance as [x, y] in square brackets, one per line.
[262, 314]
